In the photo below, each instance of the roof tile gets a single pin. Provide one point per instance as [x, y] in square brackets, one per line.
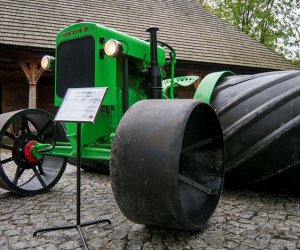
[196, 34]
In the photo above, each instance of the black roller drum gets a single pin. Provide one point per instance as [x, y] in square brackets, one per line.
[167, 163]
[260, 118]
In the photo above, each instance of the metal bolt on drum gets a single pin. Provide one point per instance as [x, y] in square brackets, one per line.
[20, 171]
[167, 163]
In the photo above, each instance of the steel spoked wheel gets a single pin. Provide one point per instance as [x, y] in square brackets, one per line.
[20, 171]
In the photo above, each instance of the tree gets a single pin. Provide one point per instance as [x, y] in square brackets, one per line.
[274, 23]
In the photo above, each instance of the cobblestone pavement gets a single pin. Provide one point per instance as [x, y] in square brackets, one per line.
[243, 220]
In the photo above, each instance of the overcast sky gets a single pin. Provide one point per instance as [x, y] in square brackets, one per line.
[295, 49]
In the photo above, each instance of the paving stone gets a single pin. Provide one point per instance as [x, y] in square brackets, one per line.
[47, 247]
[197, 243]
[298, 244]
[71, 245]
[133, 245]
[244, 219]
[231, 245]
[278, 244]
[114, 244]
[118, 235]
[154, 245]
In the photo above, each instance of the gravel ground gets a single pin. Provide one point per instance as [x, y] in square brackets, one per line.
[243, 220]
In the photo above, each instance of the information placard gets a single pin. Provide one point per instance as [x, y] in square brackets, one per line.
[81, 105]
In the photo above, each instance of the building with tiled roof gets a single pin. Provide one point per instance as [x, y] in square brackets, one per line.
[204, 42]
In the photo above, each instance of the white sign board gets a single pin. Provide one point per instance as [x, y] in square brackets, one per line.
[81, 105]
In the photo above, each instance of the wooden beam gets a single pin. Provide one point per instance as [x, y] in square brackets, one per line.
[33, 72]
[13, 55]
[26, 70]
[39, 73]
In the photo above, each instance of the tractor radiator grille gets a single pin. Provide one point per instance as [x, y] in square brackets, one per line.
[75, 65]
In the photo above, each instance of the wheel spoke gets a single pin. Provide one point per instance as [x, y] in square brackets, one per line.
[6, 160]
[44, 128]
[18, 174]
[11, 136]
[195, 184]
[8, 147]
[40, 168]
[38, 175]
[45, 138]
[196, 145]
[25, 126]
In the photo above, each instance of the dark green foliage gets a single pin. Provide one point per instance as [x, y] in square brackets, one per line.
[274, 23]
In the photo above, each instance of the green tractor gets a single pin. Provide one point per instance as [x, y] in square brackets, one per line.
[166, 155]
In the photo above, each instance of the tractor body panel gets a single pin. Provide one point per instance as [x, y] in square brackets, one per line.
[81, 62]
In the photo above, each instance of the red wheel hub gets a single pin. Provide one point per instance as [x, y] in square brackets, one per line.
[28, 152]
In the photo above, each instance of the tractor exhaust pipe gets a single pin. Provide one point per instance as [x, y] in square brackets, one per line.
[154, 69]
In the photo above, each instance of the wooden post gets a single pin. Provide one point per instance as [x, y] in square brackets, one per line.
[33, 73]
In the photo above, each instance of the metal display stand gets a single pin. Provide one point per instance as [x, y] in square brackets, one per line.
[78, 224]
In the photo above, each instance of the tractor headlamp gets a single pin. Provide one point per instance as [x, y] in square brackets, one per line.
[48, 63]
[113, 48]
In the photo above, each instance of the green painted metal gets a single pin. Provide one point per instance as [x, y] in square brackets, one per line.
[97, 138]
[108, 73]
[61, 149]
[96, 153]
[101, 152]
[182, 81]
[173, 62]
[207, 85]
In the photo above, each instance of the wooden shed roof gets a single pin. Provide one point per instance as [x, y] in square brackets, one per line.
[197, 35]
